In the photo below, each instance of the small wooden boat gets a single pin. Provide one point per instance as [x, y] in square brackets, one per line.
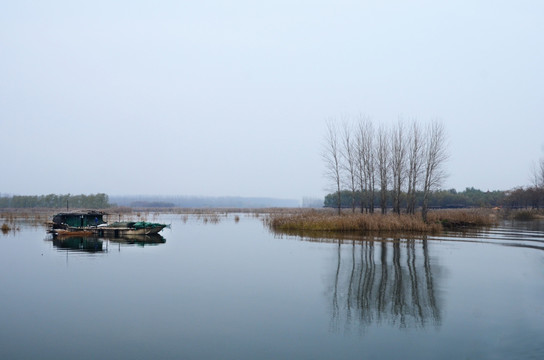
[130, 228]
[68, 232]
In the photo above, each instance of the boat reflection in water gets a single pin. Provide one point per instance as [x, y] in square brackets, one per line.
[141, 240]
[79, 243]
[93, 244]
[382, 280]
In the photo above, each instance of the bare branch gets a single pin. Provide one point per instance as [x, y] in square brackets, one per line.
[435, 157]
[332, 158]
[366, 162]
[348, 152]
[382, 162]
[398, 163]
[415, 164]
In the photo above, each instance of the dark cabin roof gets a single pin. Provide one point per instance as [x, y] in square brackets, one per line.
[79, 218]
[82, 212]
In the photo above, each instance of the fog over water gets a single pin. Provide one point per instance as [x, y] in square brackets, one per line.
[230, 98]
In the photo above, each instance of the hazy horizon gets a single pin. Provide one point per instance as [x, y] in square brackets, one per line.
[231, 98]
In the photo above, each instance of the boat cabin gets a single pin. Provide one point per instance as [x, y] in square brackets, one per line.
[80, 218]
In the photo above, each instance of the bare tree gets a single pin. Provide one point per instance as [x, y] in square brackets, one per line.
[360, 163]
[382, 163]
[435, 157]
[366, 162]
[415, 156]
[537, 174]
[332, 157]
[349, 163]
[536, 192]
[541, 173]
[398, 163]
[362, 159]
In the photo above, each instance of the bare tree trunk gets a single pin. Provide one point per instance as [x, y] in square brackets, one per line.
[415, 154]
[398, 163]
[372, 189]
[361, 171]
[537, 174]
[540, 184]
[435, 156]
[382, 160]
[331, 156]
[365, 163]
[537, 178]
[369, 161]
[349, 164]
[361, 179]
[541, 174]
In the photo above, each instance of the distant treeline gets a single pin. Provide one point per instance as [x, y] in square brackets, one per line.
[531, 197]
[93, 201]
[102, 201]
[470, 197]
[158, 201]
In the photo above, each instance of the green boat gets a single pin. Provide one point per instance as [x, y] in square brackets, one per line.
[93, 221]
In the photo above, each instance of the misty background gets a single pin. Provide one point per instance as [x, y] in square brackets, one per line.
[230, 98]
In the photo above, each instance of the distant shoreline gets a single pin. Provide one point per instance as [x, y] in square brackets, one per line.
[310, 220]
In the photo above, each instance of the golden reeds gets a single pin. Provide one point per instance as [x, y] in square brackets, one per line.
[5, 228]
[526, 214]
[464, 217]
[325, 221]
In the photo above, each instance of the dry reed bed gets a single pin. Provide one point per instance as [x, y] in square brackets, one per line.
[35, 217]
[5, 228]
[464, 217]
[325, 221]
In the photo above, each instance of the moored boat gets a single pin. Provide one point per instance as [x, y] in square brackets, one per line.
[91, 222]
[130, 228]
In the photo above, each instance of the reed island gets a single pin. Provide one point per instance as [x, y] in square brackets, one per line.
[330, 220]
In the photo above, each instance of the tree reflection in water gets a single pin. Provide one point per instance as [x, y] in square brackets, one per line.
[381, 280]
[385, 281]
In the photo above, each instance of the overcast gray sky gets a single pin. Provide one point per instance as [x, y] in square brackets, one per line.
[231, 97]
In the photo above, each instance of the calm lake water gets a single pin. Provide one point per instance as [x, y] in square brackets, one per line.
[235, 290]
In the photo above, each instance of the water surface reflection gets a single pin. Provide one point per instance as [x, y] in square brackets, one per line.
[79, 244]
[234, 291]
[140, 240]
[382, 280]
[524, 234]
[391, 282]
[93, 244]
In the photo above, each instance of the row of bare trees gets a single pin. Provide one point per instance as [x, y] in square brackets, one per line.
[401, 159]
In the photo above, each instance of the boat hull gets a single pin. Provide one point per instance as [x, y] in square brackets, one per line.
[120, 231]
[70, 233]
